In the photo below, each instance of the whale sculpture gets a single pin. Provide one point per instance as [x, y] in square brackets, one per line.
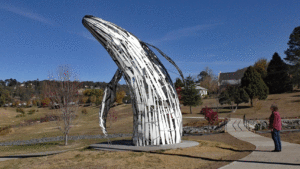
[157, 119]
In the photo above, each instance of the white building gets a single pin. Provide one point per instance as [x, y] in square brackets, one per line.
[202, 91]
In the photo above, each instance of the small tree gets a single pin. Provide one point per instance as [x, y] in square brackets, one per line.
[120, 96]
[84, 99]
[241, 96]
[254, 85]
[178, 83]
[45, 102]
[191, 96]
[4, 96]
[208, 80]
[64, 92]
[98, 101]
[224, 98]
[261, 67]
[92, 99]
[211, 117]
[237, 95]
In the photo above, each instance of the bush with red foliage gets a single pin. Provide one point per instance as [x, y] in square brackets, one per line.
[210, 115]
[205, 110]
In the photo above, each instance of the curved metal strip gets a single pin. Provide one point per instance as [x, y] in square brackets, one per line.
[108, 99]
[168, 59]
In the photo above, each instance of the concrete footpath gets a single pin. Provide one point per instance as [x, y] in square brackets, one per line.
[4, 158]
[262, 157]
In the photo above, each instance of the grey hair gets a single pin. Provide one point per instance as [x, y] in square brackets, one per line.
[274, 107]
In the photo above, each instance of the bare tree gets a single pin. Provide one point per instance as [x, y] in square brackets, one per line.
[63, 94]
[210, 83]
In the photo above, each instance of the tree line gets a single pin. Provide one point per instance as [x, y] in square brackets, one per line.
[11, 91]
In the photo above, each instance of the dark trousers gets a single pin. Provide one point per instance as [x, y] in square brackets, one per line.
[276, 139]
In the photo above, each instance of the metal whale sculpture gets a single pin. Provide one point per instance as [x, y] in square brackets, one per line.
[157, 118]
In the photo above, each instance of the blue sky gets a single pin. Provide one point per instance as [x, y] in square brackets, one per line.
[225, 35]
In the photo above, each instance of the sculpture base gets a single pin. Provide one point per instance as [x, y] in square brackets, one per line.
[127, 145]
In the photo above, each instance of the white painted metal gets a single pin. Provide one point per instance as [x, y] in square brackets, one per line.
[156, 113]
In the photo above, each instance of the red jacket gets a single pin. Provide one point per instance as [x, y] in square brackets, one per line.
[275, 121]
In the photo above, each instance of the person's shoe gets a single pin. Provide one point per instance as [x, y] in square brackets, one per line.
[276, 150]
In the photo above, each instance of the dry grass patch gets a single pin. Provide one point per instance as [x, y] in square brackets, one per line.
[50, 146]
[193, 157]
[86, 124]
[288, 104]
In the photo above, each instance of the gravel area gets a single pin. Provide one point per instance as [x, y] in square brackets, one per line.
[60, 138]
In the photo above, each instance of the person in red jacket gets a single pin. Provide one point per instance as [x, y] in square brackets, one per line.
[275, 126]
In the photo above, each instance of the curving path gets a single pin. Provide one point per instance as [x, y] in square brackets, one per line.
[262, 157]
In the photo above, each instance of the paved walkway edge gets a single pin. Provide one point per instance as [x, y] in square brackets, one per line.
[262, 157]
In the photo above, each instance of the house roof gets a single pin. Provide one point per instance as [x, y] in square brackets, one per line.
[231, 76]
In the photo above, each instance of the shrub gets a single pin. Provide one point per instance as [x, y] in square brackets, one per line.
[34, 102]
[32, 111]
[28, 103]
[211, 116]
[92, 99]
[84, 100]
[84, 111]
[48, 118]
[119, 96]
[98, 101]
[45, 102]
[20, 110]
[205, 110]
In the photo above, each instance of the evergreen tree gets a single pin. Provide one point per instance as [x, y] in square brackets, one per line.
[293, 55]
[178, 83]
[233, 94]
[277, 78]
[224, 97]
[191, 96]
[254, 85]
[240, 96]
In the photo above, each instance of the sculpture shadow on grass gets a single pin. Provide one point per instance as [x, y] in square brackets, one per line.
[221, 160]
[120, 142]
